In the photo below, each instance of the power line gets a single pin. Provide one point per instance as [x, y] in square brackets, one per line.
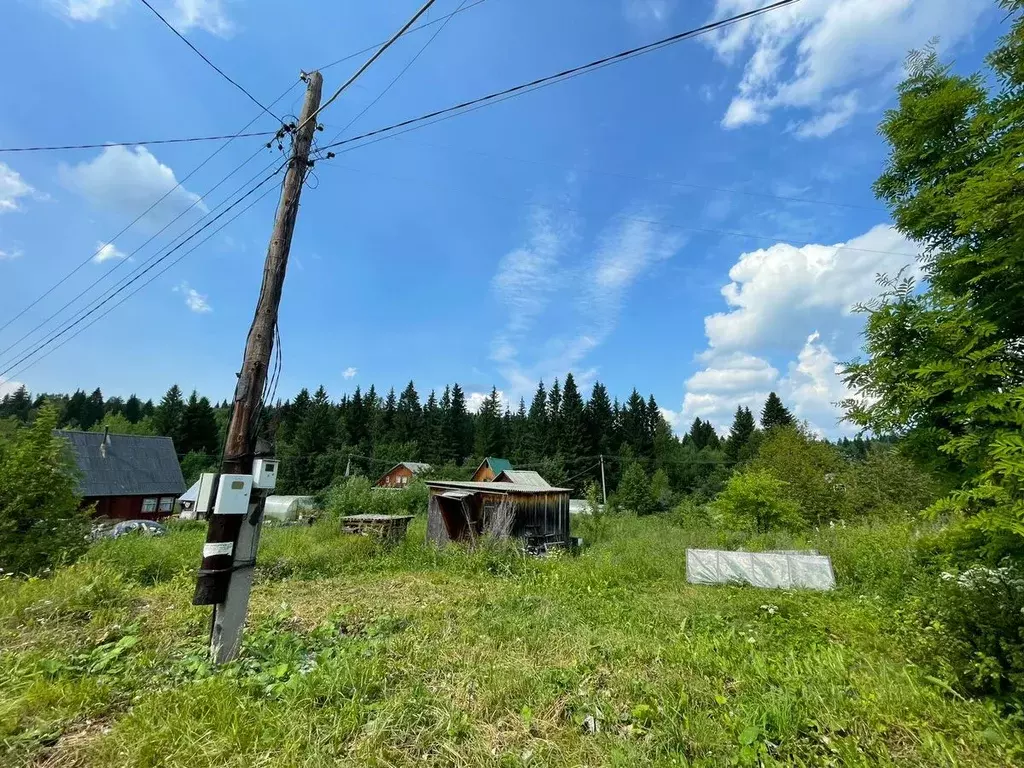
[405, 28]
[368, 48]
[123, 261]
[567, 74]
[202, 242]
[143, 143]
[203, 56]
[404, 70]
[141, 216]
[92, 311]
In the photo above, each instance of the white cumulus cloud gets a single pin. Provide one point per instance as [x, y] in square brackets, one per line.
[9, 387]
[12, 189]
[108, 252]
[812, 57]
[791, 303]
[196, 302]
[128, 181]
[350, 372]
[475, 401]
[185, 15]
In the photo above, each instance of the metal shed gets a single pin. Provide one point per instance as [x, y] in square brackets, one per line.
[465, 511]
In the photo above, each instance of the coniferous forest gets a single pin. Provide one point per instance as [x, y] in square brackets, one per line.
[561, 432]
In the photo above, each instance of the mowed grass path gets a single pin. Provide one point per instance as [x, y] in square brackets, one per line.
[361, 656]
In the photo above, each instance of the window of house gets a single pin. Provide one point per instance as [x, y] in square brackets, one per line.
[403, 480]
[167, 504]
[149, 505]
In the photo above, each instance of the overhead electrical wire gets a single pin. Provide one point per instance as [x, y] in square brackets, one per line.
[567, 74]
[424, 25]
[366, 65]
[203, 56]
[405, 69]
[53, 337]
[125, 260]
[67, 327]
[144, 143]
[142, 215]
[95, 320]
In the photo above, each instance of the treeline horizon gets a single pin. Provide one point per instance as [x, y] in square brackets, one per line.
[560, 434]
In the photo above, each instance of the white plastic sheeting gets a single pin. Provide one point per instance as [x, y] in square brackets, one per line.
[773, 570]
[286, 509]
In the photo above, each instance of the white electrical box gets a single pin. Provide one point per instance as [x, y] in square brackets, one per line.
[233, 495]
[204, 494]
[264, 473]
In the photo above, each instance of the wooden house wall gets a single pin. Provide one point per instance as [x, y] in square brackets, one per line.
[390, 480]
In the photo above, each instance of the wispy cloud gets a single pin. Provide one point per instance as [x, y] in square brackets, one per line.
[195, 301]
[350, 372]
[600, 279]
[10, 255]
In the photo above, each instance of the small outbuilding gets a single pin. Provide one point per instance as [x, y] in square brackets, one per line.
[489, 469]
[401, 474]
[127, 477]
[465, 511]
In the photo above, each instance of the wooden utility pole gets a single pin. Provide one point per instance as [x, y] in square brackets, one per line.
[604, 490]
[225, 582]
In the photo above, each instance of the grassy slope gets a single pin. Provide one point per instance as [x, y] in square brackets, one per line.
[414, 656]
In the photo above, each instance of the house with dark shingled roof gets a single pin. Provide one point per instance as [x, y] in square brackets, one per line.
[127, 477]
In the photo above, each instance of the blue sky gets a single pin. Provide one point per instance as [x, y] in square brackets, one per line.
[668, 223]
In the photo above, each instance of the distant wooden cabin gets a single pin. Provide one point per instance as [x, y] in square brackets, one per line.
[489, 469]
[127, 477]
[400, 475]
[466, 511]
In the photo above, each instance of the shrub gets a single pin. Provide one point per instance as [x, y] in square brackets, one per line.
[756, 501]
[975, 621]
[634, 492]
[887, 485]
[691, 514]
[810, 468]
[42, 522]
[355, 496]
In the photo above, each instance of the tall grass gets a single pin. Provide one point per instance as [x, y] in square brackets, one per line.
[362, 654]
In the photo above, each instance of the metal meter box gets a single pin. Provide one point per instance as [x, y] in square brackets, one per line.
[204, 494]
[233, 495]
[264, 473]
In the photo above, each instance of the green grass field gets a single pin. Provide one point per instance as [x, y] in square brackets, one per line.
[361, 656]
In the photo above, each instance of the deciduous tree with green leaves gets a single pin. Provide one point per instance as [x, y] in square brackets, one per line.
[42, 522]
[944, 366]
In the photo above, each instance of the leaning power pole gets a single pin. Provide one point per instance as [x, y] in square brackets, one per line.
[232, 539]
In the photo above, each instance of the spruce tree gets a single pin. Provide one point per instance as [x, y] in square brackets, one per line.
[599, 422]
[459, 427]
[488, 429]
[774, 413]
[741, 433]
[572, 437]
[409, 416]
[554, 436]
[537, 424]
[431, 449]
[199, 431]
[168, 415]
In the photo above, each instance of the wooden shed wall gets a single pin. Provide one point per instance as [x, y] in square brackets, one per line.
[544, 514]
